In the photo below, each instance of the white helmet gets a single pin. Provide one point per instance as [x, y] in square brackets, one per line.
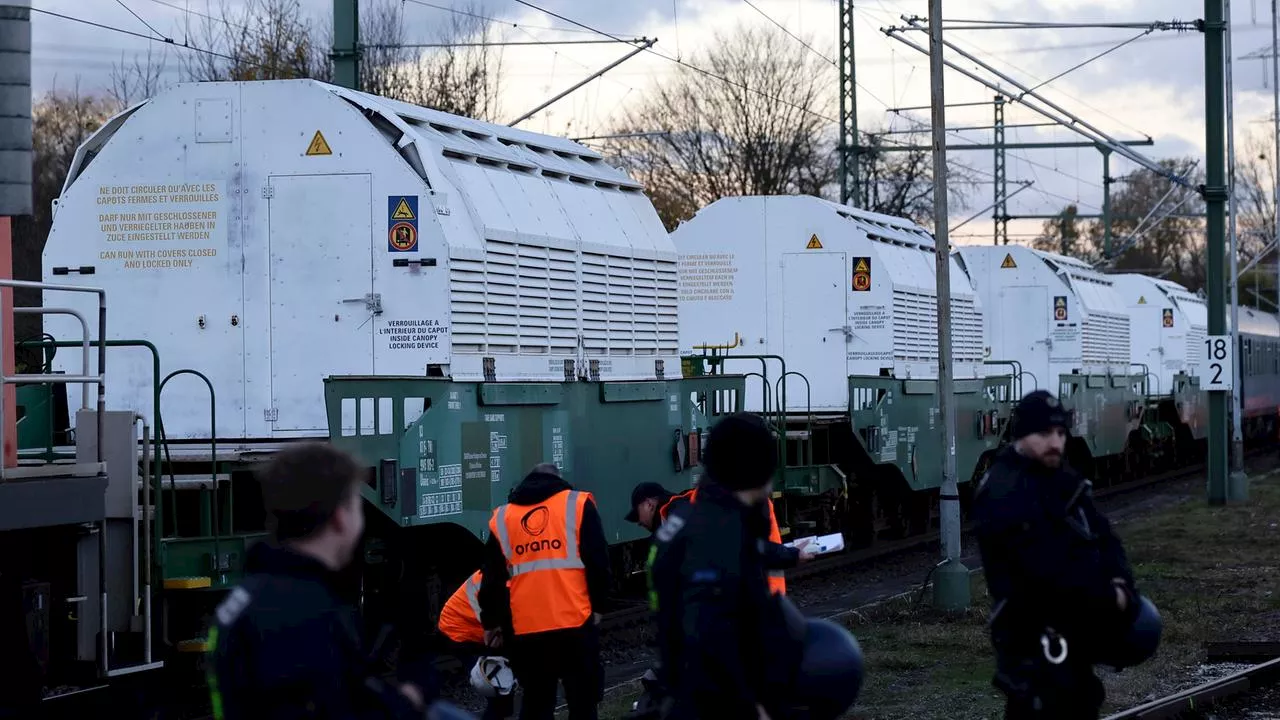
[492, 676]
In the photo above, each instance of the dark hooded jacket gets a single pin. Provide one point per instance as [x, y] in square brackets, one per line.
[724, 644]
[284, 645]
[1049, 557]
[593, 548]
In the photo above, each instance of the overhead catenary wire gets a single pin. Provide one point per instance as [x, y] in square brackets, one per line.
[496, 43]
[197, 13]
[1010, 153]
[909, 119]
[784, 29]
[150, 38]
[1021, 51]
[1054, 112]
[488, 18]
[959, 24]
[1099, 56]
[990, 67]
[728, 81]
[141, 20]
[686, 64]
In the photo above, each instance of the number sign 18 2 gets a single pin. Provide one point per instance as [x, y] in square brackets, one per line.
[1219, 363]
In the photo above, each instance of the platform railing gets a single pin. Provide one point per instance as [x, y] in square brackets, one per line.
[84, 379]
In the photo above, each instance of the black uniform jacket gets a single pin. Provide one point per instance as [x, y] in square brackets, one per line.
[284, 646]
[776, 556]
[593, 548]
[1049, 557]
[723, 643]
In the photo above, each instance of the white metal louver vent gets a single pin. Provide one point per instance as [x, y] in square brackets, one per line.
[1105, 340]
[528, 300]
[915, 328]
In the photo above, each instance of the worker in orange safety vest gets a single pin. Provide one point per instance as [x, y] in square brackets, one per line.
[651, 502]
[460, 623]
[548, 541]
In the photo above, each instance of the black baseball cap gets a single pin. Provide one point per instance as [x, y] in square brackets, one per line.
[642, 492]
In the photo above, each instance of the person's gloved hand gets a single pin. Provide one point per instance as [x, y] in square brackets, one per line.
[808, 550]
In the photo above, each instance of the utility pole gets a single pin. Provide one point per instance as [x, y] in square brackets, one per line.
[15, 184]
[1275, 95]
[1237, 481]
[1215, 198]
[346, 44]
[850, 146]
[1000, 214]
[1106, 201]
[951, 579]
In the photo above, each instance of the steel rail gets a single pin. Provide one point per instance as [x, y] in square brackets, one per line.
[1206, 694]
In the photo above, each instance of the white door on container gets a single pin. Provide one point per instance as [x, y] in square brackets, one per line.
[321, 274]
[1024, 330]
[815, 288]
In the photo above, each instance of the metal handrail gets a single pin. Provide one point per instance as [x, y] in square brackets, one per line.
[84, 343]
[213, 440]
[157, 476]
[100, 380]
[808, 408]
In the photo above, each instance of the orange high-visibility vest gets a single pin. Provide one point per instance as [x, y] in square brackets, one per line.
[666, 507]
[548, 582]
[460, 616]
[777, 581]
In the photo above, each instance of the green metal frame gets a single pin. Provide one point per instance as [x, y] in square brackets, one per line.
[473, 442]
[1107, 406]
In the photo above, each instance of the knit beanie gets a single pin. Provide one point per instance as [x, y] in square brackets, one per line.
[1038, 412]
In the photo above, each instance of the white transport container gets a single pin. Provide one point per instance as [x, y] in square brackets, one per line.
[1053, 314]
[836, 291]
[1167, 326]
[269, 234]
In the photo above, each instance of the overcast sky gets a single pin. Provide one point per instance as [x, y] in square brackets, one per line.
[1153, 86]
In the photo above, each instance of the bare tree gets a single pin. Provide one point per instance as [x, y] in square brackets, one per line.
[1065, 236]
[465, 77]
[262, 40]
[136, 80]
[61, 121]
[275, 39]
[1256, 215]
[764, 129]
[760, 121]
[384, 60]
[1169, 243]
[901, 183]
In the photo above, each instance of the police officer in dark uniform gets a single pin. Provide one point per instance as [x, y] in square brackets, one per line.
[724, 643]
[1060, 583]
[284, 644]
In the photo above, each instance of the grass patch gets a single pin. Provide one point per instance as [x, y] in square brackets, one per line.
[1211, 571]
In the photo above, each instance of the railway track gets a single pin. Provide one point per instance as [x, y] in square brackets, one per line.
[1206, 695]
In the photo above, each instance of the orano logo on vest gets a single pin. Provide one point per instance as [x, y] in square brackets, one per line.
[535, 522]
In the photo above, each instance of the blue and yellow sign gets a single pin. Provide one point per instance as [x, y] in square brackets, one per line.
[402, 223]
[1060, 308]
